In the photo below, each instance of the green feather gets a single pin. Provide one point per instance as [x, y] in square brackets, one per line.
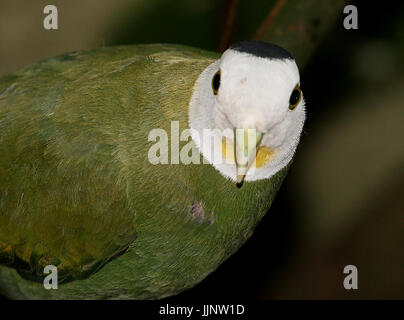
[77, 189]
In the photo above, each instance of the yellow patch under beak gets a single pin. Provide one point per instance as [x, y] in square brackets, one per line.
[246, 153]
[264, 154]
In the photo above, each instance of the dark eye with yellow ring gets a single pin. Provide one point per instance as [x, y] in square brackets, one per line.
[295, 98]
[216, 82]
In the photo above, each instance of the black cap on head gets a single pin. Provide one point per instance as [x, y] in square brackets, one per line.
[262, 49]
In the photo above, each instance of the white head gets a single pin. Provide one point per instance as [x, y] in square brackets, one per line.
[254, 85]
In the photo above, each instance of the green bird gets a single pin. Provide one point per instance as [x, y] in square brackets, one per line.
[135, 171]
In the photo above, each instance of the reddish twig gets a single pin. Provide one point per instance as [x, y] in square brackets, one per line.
[269, 20]
[228, 27]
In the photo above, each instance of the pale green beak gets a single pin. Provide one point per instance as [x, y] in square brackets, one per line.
[246, 144]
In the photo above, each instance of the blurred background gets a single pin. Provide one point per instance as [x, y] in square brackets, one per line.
[342, 202]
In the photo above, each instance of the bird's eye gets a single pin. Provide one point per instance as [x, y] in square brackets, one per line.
[216, 82]
[295, 98]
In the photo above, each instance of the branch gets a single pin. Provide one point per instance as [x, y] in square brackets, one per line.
[230, 17]
[269, 20]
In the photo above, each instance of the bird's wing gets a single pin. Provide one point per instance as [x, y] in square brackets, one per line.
[62, 197]
[66, 125]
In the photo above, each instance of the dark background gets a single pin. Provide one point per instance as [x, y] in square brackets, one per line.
[341, 203]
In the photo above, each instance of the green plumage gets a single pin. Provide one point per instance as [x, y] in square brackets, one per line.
[77, 189]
